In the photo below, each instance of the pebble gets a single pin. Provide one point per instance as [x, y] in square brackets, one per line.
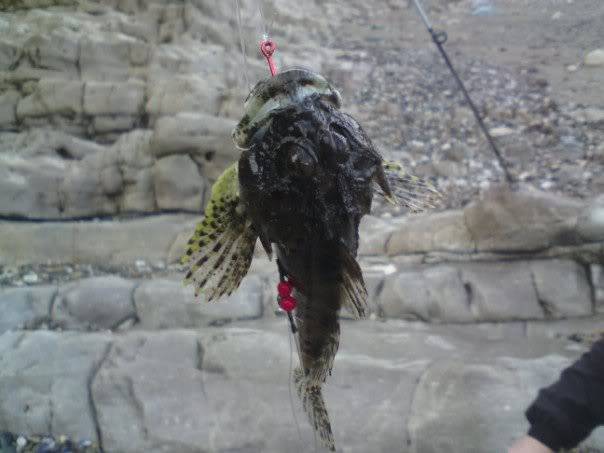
[501, 131]
[595, 58]
[31, 278]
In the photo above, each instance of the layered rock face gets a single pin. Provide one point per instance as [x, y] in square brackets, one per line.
[122, 107]
[115, 119]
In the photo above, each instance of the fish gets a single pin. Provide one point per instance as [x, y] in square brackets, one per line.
[306, 175]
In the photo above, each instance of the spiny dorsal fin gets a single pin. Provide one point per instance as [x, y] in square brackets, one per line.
[220, 251]
[401, 188]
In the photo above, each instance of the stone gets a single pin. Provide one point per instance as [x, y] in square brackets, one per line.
[563, 288]
[444, 418]
[165, 95]
[590, 224]
[63, 97]
[105, 56]
[167, 304]
[107, 98]
[521, 221]
[597, 279]
[373, 235]
[8, 108]
[106, 243]
[30, 187]
[594, 58]
[97, 303]
[443, 231]
[501, 291]
[155, 382]
[44, 382]
[434, 294]
[25, 308]
[178, 184]
[206, 138]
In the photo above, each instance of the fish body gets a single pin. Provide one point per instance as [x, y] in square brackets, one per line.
[306, 176]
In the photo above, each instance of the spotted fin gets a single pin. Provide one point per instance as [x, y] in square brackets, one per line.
[220, 251]
[313, 404]
[401, 188]
[354, 294]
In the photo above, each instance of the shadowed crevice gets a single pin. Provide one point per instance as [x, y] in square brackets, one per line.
[91, 403]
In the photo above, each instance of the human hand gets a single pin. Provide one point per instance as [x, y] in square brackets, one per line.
[529, 445]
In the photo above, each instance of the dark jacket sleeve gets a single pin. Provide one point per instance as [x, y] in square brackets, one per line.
[565, 413]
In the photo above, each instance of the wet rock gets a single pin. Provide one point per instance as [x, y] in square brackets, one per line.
[98, 303]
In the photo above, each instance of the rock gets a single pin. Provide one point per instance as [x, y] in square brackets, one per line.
[501, 291]
[520, 221]
[105, 243]
[24, 308]
[590, 224]
[178, 184]
[63, 97]
[8, 108]
[563, 288]
[433, 294]
[167, 304]
[206, 138]
[597, 279]
[43, 380]
[165, 95]
[106, 98]
[98, 303]
[444, 420]
[594, 58]
[373, 235]
[30, 278]
[501, 131]
[443, 231]
[161, 385]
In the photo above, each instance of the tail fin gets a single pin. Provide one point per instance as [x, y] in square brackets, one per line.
[311, 396]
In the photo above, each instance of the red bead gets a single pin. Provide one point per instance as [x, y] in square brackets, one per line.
[284, 289]
[288, 303]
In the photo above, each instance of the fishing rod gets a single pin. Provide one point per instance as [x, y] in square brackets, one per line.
[440, 38]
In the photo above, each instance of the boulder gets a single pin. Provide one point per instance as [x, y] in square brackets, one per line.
[521, 221]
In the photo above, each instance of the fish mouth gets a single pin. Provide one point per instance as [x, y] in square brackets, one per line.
[288, 87]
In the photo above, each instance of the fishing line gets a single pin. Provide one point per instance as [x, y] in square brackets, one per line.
[242, 44]
[440, 38]
[290, 383]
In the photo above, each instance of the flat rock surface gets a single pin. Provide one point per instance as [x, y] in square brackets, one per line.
[413, 387]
